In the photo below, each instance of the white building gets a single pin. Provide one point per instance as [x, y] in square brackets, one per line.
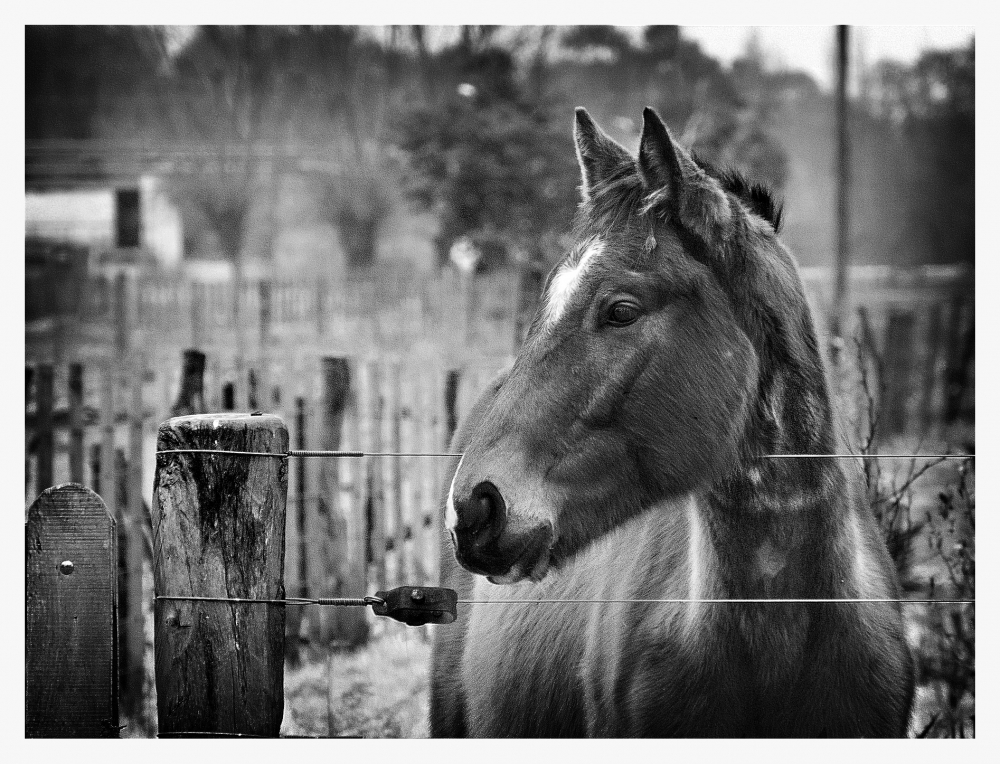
[109, 221]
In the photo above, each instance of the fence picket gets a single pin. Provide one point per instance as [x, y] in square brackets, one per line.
[29, 401]
[375, 506]
[392, 469]
[109, 374]
[358, 482]
[44, 430]
[76, 448]
[71, 669]
[136, 521]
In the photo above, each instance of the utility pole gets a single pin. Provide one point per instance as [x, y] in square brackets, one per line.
[837, 319]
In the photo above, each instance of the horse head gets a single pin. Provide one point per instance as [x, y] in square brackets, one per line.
[659, 362]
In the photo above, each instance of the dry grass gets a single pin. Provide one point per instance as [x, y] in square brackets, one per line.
[378, 691]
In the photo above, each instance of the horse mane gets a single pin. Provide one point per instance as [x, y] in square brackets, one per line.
[757, 196]
[621, 194]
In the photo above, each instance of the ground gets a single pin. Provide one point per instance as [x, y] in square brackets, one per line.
[379, 691]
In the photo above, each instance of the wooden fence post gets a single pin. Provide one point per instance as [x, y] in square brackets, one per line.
[122, 317]
[451, 404]
[410, 469]
[219, 531]
[376, 477]
[228, 396]
[191, 396]
[108, 482]
[135, 521]
[431, 511]
[44, 433]
[295, 583]
[71, 578]
[76, 454]
[95, 468]
[302, 495]
[392, 469]
[358, 519]
[29, 437]
[333, 572]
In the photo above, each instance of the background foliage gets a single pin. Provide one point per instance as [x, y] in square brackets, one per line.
[476, 127]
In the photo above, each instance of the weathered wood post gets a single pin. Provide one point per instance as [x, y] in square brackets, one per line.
[44, 427]
[135, 520]
[29, 382]
[71, 579]
[392, 471]
[376, 476]
[451, 404]
[76, 451]
[300, 510]
[333, 572]
[191, 396]
[219, 531]
[122, 317]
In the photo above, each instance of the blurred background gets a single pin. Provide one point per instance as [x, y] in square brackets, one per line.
[350, 226]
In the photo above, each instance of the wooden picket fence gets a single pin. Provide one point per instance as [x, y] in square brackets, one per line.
[385, 311]
[88, 429]
[354, 525]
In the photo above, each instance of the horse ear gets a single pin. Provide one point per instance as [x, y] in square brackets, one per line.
[599, 155]
[672, 177]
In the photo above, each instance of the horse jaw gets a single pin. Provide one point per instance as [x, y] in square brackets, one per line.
[516, 574]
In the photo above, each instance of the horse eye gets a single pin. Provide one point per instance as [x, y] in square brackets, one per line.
[623, 313]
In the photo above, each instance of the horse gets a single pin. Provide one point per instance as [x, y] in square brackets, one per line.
[615, 484]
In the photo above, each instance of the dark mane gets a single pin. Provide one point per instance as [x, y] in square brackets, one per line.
[756, 196]
[621, 195]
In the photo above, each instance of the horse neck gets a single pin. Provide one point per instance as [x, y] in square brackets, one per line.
[772, 524]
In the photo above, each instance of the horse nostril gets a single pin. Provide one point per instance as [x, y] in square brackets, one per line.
[485, 510]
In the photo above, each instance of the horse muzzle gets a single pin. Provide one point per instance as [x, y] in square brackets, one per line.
[493, 542]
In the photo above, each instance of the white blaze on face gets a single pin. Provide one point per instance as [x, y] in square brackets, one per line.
[450, 515]
[565, 282]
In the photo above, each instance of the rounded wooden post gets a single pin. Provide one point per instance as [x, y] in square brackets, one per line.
[219, 531]
[71, 659]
